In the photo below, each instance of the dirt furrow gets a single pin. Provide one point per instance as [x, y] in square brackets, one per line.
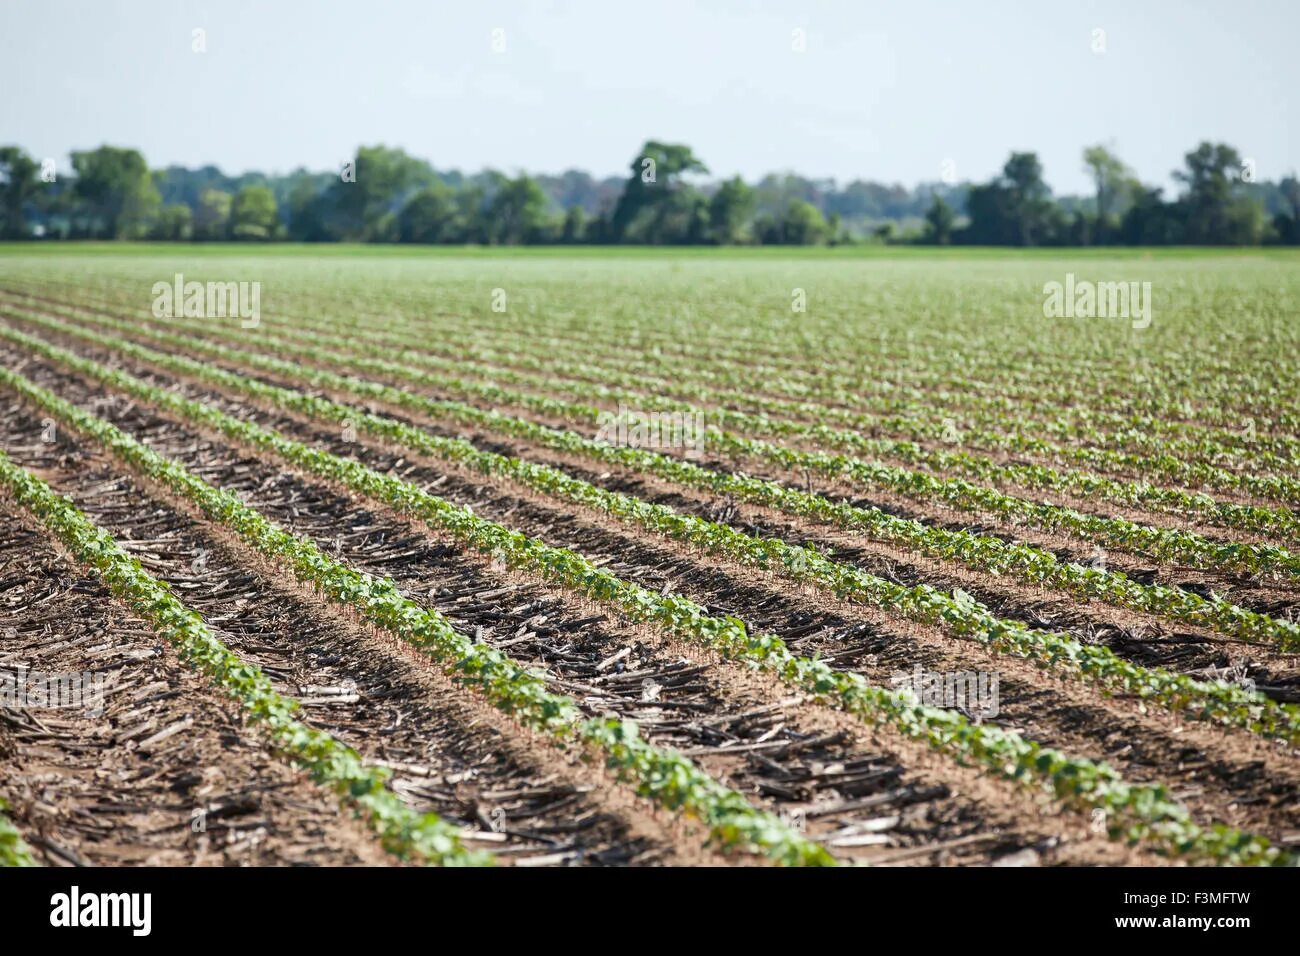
[1231, 777]
[450, 753]
[1193, 650]
[866, 793]
[138, 761]
[1145, 639]
[1063, 544]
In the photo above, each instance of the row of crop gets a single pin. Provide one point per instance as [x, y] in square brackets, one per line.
[1217, 701]
[917, 414]
[664, 776]
[912, 412]
[811, 343]
[922, 353]
[951, 363]
[360, 786]
[1132, 811]
[809, 427]
[921, 418]
[1164, 545]
[1161, 544]
[770, 349]
[985, 552]
[748, 369]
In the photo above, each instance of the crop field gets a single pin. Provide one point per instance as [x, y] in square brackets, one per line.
[628, 558]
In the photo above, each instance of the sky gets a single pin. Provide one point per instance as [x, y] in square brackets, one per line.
[893, 92]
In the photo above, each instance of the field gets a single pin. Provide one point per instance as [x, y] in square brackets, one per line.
[640, 558]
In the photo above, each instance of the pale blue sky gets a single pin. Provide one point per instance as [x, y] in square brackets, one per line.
[884, 91]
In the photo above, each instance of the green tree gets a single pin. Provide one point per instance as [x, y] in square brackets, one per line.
[174, 223]
[18, 183]
[939, 221]
[1287, 224]
[1213, 210]
[1031, 203]
[1150, 221]
[1014, 209]
[597, 229]
[212, 217]
[991, 212]
[518, 210]
[474, 214]
[574, 229]
[118, 196]
[361, 207]
[835, 226]
[730, 209]
[253, 214]
[307, 210]
[697, 218]
[803, 224]
[1111, 179]
[655, 187]
[431, 215]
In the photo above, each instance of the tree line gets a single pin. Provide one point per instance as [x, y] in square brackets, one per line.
[383, 194]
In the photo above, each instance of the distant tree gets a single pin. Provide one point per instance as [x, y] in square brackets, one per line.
[730, 209]
[212, 217]
[654, 186]
[939, 222]
[174, 223]
[307, 206]
[1150, 221]
[1287, 223]
[430, 216]
[861, 201]
[518, 210]
[1079, 229]
[116, 192]
[1031, 202]
[767, 230]
[575, 225]
[1213, 210]
[992, 216]
[697, 218]
[18, 183]
[574, 187]
[253, 214]
[54, 209]
[474, 214]
[1111, 178]
[362, 205]
[803, 225]
[176, 184]
[1014, 209]
[836, 233]
[597, 229]
[386, 195]
[1290, 189]
[776, 192]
